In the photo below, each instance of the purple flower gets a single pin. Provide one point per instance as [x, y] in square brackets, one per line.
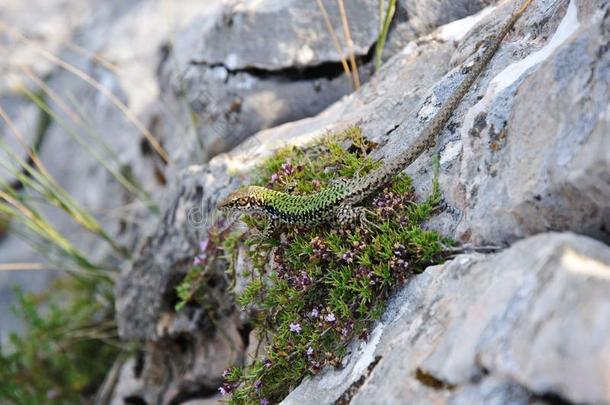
[267, 363]
[315, 313]
[203, 245]
[274, 177]
[225, 389]
[287, 168]
[258, 384]
[295, 327]
[264, 401]
[226, 373]
[330, 317]
[309, 351]
[198, 260]
[348, 257]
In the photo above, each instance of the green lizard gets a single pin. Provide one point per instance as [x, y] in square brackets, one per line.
[338, 202]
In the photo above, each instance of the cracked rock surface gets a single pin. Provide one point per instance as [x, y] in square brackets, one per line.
[287, 69]
[524, 166]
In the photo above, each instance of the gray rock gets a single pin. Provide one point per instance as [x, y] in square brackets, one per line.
[277, 64]
[416, 18]
[534, 322]
[186, 368]
[48, 23]
[391, 108]
[272, 35]
[520, 150]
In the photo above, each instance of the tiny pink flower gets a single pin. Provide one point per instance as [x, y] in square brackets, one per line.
[330, 317]
[225, 389]
[315, 313]
[295, 327]
[287, 167]
[264, 401]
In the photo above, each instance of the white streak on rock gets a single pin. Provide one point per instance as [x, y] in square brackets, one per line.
[456, 30]
[511, 73]
[577, 263]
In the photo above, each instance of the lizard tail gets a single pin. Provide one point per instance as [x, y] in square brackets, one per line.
[427, 138]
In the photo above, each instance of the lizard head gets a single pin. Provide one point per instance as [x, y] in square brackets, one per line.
[245, 200]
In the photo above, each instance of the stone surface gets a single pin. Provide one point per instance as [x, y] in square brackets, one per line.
[276, 64]
[416, 18]
[390, 108]
[183, 368]
[61, 19]
[534, 322]
[287, 69]
[493, 167]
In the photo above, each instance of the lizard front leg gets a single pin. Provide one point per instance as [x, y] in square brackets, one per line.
[267, 233]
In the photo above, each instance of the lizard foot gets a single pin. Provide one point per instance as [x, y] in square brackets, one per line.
[266, 234]
[347, 214]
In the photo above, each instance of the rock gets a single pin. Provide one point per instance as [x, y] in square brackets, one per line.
[227, 93]
[273, 35]
[61, 19]
[538, 156]
[392, 106]
[417, 18]
[254, 80]
[533, 323]
[184, 368]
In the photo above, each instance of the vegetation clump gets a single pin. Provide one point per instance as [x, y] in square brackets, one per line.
[68, 345]
[311, 291]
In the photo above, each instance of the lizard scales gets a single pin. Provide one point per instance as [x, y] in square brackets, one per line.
[337, 202]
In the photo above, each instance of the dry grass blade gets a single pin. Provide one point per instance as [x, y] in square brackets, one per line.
[350, 44]
[131, 186]
[130, 115]
[335, 40]
[91, 55]
[41, 181]
[21, 139]
[22, 266]
[34, 221]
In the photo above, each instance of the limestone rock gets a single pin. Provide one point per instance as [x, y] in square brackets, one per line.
[524, 153]
[391, 109]
[534, 322]
[287, 69]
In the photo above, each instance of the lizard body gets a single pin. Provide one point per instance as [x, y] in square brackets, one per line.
[338, 202]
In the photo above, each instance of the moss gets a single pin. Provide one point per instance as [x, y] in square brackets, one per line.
[326, 285]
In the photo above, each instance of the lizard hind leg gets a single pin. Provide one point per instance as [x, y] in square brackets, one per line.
[348, 214]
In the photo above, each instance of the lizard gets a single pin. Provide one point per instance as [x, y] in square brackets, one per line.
[337, 203]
